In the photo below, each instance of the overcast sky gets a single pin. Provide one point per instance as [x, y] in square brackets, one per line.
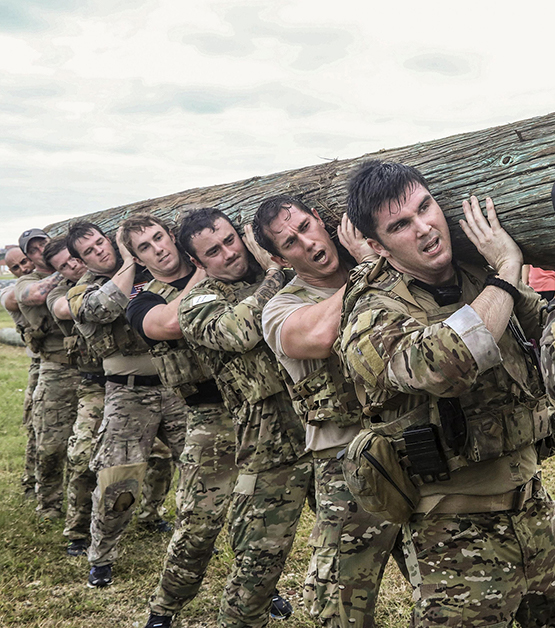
[106, 102]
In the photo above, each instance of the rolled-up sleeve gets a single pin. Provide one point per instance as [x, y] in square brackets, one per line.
[470, 327]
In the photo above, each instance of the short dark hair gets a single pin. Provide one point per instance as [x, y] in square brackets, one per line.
[268, 211]
[77, 230]
[196, 221]
[375, 184]
[52, 248]
[137, 224]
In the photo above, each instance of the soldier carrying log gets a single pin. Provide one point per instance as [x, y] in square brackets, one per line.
[439, 352]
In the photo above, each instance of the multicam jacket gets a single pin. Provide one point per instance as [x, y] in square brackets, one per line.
[74, 342]
[98, 308]
[223, 321]
[407, 354]
[547, 345]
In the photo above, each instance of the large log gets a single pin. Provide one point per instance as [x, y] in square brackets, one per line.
[514, 164]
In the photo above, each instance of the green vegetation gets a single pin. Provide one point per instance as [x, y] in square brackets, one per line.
[40, 586]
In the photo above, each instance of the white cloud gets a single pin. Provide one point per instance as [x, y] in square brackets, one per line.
[104, 103]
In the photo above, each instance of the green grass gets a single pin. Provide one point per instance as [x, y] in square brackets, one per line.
[41, 587]
[5, 319]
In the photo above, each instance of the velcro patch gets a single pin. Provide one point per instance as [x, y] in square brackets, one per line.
[203, 298]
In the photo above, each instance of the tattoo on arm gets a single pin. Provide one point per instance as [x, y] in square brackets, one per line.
[273, 282]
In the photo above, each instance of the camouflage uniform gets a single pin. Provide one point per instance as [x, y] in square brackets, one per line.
[208, 471]
[204, 493]
[81, 480]
[350, 546]
[223, 322]
[54, 400]
[479, 542]
[136, 410]
[28, 480]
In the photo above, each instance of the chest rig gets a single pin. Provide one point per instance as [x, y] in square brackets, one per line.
[178, 366]
[325, 394]
[103, 340]
[504, 411]
[243, 378]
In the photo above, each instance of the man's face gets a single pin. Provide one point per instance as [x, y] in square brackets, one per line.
[221, 252]
[97, 252]
[414, 237]
[34, 251]
[18, 263]
[69, 267]
[303, 242]
[155, 248]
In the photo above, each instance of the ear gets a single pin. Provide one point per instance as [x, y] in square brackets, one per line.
[195, 261]
[172, 236]
[379, 249]
[279, 260]
[317, 216]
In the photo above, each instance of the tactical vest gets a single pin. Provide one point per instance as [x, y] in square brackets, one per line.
[117, 336]
[179, 367]
[248, 377]
[505, 411]
[325, 394]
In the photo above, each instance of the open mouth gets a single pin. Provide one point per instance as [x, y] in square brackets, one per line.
[319, 256]
[432, 246]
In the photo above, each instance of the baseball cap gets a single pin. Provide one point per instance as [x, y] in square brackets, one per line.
[28, 235]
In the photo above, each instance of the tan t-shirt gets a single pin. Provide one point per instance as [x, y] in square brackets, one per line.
[326, 434]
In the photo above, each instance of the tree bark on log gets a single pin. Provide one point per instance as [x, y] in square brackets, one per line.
[514, 164]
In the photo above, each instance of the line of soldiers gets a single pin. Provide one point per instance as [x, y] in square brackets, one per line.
[393, 387]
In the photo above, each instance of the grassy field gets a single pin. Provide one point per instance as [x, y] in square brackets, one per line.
[41, 587]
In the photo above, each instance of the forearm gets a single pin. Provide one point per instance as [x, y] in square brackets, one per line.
[393, 352]
[310, 332]
[218, 325]
[9, 301]
[547, 345]
[37, 292]
[125, 277]
[161, 323]
[97, 304]
[494, 306]
[61, 309]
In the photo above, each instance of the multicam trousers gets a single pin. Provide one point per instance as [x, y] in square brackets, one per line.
[350, 551]
[28, 480]
[208, 476]
[157, 483]
[485, 569]
[263, 521]
[54, 412]
[133, 417]
[82, 481]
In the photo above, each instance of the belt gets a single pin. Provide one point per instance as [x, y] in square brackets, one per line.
[467, 504]
[134, 380]
[208, 393]
[94, 377]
